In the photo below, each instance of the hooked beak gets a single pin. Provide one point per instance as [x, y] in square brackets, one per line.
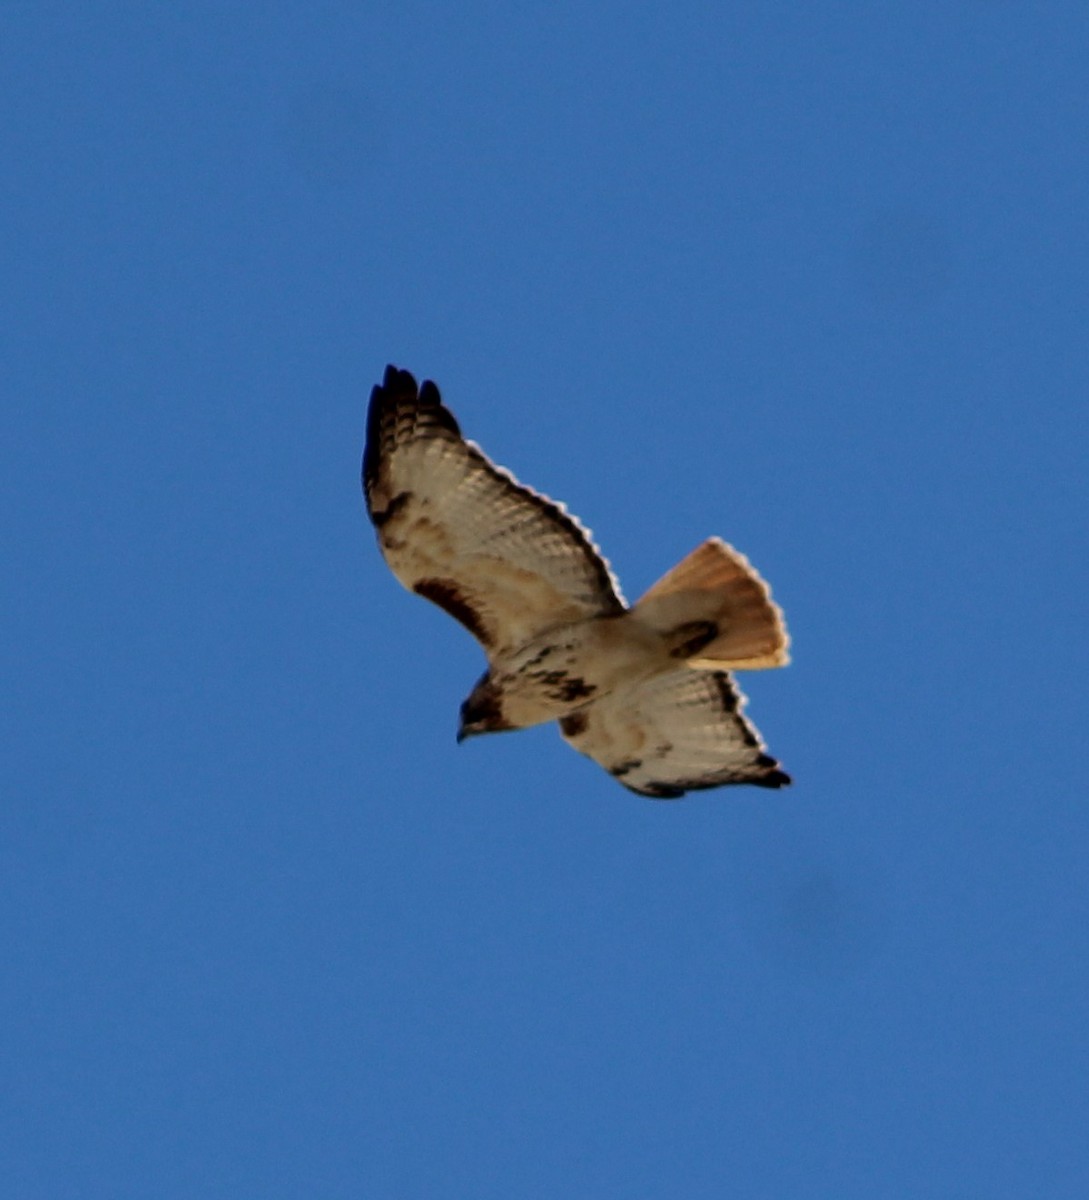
[469, 731]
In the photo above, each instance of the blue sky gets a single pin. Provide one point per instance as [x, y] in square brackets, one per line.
[809, 277]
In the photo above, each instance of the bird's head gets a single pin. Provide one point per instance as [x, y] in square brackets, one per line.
[482, 711]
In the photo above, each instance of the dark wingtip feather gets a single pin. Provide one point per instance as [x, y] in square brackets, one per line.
[396, 387]
[775, 778]
[400, 385]
[399, 411]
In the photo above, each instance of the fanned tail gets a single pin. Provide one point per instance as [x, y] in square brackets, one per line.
[715, 611]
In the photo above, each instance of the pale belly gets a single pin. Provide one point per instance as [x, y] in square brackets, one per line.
[565, 669]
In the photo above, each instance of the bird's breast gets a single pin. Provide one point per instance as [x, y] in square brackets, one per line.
[566, 668]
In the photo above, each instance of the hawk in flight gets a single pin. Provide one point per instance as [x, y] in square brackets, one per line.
[645, 691]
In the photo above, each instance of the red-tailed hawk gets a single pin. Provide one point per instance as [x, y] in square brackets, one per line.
[644, 691]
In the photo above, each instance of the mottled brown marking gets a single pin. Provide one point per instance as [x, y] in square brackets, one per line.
[657, 791]
[562, 686]
[576, 689]
[574, 724]
[689, 639]
[391, 510]
[446, 594]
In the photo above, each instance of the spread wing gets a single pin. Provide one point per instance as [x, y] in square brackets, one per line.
[672, 734]
[507, 562]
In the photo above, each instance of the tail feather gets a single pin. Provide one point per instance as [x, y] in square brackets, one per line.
[717, 592]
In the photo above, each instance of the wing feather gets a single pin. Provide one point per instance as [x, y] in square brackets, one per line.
[502, 559]
[675, 733]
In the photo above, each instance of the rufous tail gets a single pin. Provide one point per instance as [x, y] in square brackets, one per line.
[715, 611]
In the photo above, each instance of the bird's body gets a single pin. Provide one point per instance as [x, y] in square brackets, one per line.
[562, 670]
[644, 690]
